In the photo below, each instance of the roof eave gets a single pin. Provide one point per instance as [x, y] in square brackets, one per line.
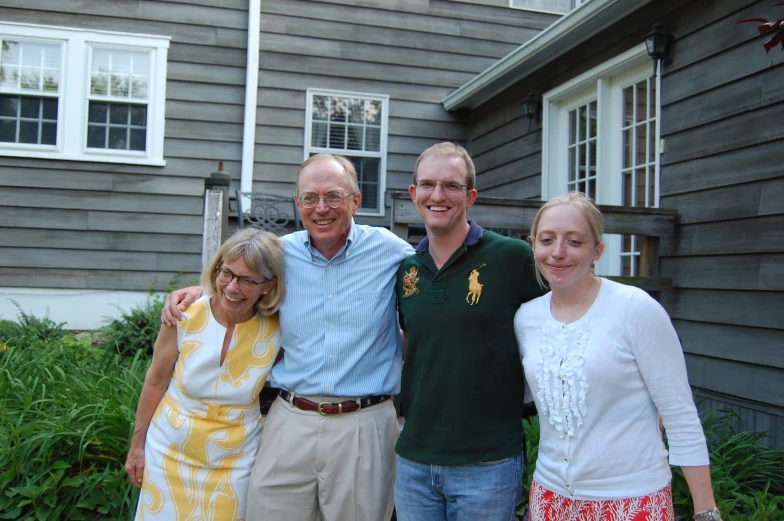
[562, 36]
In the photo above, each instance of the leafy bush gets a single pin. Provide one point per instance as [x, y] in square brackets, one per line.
[136, 330]
[29, 329]
[66, 417]
[747, 478]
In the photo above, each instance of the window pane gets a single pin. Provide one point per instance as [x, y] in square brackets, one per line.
[627, 148]
[337, 136]
[355, 137]
[28, 132]
[96, 136]
[138, 116]
[119, 85]
[320, 108]
[48, 133]
[8, 131]
[31, 79]
[338, 109]
[582, 122]
[118, 138]
[642, 100]
[373, 139]
[118, 114]
[356, 111]
[139, 87]
[628, 106]
[138, 139]
[9, 106]
[30, 107]
[373, 112]
[97, 112]
[572, 163]
[572, 127]
[50, 108]
[642, 143]
[592, 117]
[318, 135]
[100, 84]
[640, 187]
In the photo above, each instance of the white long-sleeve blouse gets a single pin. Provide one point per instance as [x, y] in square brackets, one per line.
[600, 385]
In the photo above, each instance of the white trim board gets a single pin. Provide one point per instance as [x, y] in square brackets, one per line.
[78, 308]
[559, 38]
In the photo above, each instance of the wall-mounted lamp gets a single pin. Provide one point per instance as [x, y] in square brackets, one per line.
[532, 108]
[659, 46]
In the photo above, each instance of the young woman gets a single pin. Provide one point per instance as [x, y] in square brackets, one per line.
[604, 364]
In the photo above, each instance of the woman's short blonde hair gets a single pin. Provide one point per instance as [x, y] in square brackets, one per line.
[586, 206]
[262, 252]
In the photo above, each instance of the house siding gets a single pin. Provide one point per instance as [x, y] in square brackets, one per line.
[721, 169]
[86, 225]
[414, 51]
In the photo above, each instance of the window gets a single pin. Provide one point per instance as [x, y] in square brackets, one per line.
[547, 6]
[600, 137]
[355, 126]
[82, 95]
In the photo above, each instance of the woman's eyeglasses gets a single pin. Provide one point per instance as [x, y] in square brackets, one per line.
[246, 284]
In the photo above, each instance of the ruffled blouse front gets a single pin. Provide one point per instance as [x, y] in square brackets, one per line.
[560, 377]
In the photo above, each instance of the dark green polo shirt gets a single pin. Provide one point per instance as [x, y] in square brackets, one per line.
[462, 386]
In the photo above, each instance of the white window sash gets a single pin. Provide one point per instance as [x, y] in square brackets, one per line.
[381, 154]
[604, 83]
[74, 93]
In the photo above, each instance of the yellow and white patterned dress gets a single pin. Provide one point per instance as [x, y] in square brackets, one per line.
[204, 435]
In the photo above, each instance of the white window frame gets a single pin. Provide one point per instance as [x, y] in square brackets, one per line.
[605, 83]
[74, 91]
[381, 154]
[575, 5]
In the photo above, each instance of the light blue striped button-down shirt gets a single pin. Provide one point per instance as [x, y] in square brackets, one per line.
[339, 318]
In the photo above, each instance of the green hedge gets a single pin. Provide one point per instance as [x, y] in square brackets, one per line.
[66, 414]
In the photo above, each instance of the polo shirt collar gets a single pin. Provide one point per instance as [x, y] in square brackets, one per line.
[475, 234]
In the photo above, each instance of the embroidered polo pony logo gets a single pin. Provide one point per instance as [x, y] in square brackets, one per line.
[474, 288]
[410, 281]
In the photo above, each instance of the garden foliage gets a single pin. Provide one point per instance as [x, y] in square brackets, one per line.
[66, 415]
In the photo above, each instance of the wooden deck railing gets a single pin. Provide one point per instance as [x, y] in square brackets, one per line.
[649, 224]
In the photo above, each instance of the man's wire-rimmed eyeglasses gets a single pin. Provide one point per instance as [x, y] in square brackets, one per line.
[333, 199]
[447, 186]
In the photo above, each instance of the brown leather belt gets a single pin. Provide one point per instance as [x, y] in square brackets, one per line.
[329, 408]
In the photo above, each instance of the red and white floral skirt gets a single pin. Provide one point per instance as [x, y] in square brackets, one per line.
[546, 505]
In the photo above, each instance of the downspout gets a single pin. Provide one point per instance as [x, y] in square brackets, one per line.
[251, 96]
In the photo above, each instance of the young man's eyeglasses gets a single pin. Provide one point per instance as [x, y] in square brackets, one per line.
[225, 275]
[333, 199]
[429, 186]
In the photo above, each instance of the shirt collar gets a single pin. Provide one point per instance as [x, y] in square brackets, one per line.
[350, 239]
[475, 234]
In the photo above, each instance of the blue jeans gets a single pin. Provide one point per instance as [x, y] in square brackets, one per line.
[487, 491]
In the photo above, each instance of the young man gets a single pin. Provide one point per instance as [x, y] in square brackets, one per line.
[460, 453]
[327, 451]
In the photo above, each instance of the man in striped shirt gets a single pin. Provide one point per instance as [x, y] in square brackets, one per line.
[327, 451]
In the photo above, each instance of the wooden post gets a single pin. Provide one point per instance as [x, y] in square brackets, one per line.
[216, 213]
[649, 256]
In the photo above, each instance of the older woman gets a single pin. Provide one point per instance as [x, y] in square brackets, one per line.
[198, 424]
[604, 364]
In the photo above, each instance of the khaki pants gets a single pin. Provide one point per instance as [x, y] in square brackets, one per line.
[324, 468]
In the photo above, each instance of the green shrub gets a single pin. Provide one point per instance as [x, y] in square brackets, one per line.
[137, 329]
[29, 329]
[66, 415]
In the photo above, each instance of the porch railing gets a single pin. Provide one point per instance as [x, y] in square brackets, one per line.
[648, 224]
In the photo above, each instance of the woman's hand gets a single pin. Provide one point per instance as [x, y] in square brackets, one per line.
[134, 465]
[177, 302]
